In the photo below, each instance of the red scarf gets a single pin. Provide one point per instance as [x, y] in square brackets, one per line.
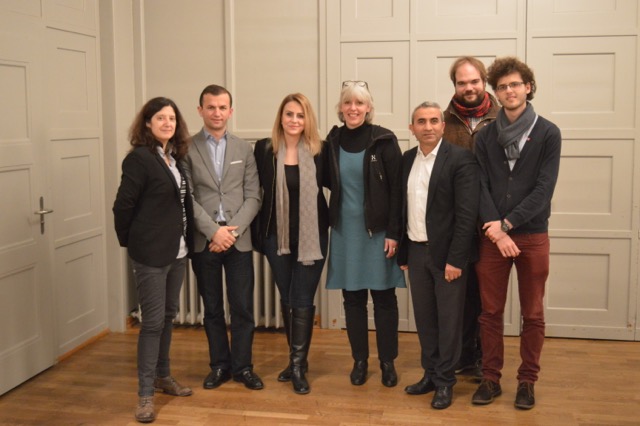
[477, 111]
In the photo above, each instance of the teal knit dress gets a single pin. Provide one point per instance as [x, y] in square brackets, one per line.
[356, 260]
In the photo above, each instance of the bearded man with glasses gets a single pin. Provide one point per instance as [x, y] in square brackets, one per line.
[519, 157]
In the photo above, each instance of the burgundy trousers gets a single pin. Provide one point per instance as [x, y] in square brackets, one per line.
[532, 267]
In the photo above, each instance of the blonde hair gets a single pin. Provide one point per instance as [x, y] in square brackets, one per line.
[310, 132]
[355, 91]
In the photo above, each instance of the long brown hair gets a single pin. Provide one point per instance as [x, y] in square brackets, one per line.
[140, 134]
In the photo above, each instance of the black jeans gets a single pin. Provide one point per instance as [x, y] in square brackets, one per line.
[297, 283]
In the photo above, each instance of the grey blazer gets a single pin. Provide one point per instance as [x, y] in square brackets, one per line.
[239, 189]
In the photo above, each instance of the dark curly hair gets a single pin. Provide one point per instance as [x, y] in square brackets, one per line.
[508, 65]
[140, 134]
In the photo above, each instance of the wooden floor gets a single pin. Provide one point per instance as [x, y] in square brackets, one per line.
[582, 383]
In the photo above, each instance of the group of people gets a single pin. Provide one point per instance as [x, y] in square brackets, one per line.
[457, 211]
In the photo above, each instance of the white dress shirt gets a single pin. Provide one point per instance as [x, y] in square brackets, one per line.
[417, 193]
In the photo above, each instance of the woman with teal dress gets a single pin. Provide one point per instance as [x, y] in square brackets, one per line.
[365, 217]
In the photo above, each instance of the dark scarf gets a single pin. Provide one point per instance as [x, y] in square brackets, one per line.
[509, 134]
[477, 111]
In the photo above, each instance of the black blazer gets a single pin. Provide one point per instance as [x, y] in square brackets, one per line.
[452, 206]
[147, 210]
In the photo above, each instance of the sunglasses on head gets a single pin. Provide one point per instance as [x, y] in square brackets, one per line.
[359, 83]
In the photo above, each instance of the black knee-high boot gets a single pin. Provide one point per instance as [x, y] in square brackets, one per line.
[285, 375]
[301, 331]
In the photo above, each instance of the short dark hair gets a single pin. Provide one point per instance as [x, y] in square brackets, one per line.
[215, 90]
[508, 65]
[474, 62]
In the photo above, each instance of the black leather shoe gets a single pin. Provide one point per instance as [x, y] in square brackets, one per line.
[476, 372]
[442, 397]
[285, 375]
[525, 398]
[299, 380]
[389, 375]
[250, 380]
[215, 378]
[359, 373]
[423, 386]
[486, 392]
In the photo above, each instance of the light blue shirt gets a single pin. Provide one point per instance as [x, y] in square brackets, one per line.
[217, 150]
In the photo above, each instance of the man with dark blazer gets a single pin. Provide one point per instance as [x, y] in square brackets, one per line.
[440, 209]
[223, 177]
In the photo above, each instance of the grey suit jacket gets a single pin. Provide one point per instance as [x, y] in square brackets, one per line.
[239, 189]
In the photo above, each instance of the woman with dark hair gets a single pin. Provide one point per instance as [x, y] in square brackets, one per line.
[291, 227]
[153, 216]
[365, 216]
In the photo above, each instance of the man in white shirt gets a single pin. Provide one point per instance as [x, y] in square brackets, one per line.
[441, 196]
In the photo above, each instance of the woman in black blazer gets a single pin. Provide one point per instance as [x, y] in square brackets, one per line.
[291, 227]
[153, 215]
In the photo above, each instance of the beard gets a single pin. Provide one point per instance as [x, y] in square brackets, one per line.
[462, 101]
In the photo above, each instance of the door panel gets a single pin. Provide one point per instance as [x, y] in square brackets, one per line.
[76, 156]
[52, 283]
[26, 337]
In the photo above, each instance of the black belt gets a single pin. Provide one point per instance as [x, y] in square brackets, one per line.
[222, 223]
[422, 243]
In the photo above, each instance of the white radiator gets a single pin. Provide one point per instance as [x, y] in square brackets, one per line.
[266, 301]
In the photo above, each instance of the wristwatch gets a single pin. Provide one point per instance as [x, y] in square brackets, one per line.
[504, 226]
[235, 234]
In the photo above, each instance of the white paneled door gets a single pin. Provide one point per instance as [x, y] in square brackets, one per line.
[52, 277]
[26, 310]
[585, 57]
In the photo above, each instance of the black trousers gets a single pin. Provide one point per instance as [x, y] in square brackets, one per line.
[385, 315]
[438, 307]
[471, 348]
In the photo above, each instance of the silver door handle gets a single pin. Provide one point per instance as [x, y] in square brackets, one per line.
[42, 212]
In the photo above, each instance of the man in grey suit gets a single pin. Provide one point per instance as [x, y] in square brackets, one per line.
[223, 177]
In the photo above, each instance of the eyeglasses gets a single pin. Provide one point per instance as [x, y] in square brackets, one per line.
[359, 83]
[513, 86]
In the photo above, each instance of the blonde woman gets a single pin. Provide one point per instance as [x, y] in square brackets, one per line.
[365, 217]
[291, 227]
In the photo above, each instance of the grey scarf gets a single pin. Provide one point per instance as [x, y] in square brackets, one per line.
[509, 134]
[308, 238]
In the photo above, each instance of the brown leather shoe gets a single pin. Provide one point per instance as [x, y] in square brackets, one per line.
[486, 392]
[145, 412]
[171, 386]
[525, 397]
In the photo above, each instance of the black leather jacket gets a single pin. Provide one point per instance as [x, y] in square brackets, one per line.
[382, 180]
